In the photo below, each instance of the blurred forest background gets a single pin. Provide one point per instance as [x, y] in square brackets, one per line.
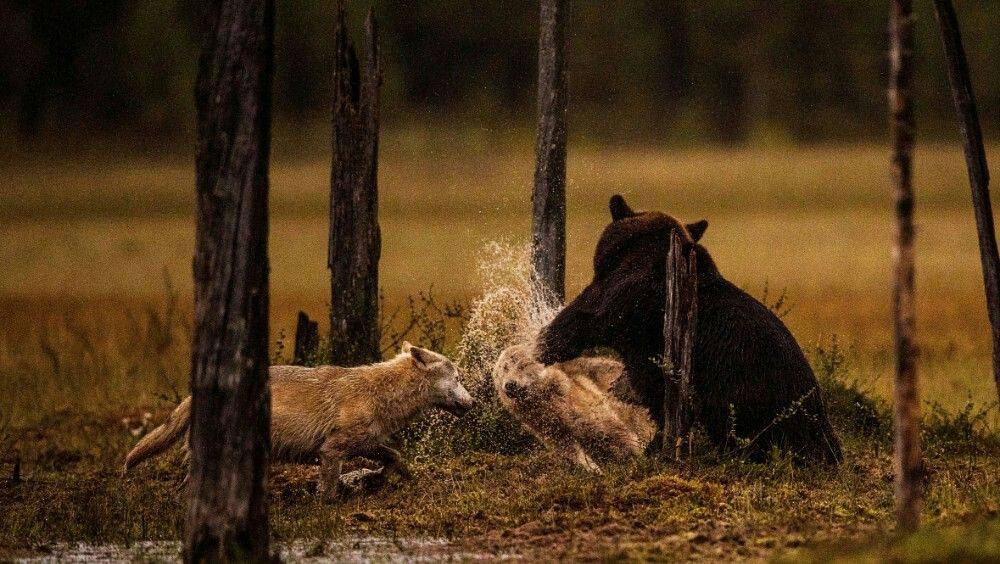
[766, 117]
[679, 71]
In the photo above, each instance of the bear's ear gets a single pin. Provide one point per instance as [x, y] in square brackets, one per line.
[619, 208]
[697, 229]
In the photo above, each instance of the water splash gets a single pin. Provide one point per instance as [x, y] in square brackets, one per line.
[513, 308]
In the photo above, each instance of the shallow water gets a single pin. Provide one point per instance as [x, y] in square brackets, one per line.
[348, 549]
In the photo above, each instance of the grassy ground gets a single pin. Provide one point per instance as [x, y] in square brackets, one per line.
[90, 336]
[528, 504]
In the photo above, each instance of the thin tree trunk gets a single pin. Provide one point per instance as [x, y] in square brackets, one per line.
[548, 225]
[679, 327]
[975, 160]
[907, 460]
[355, 240]
[306, 340]
[230, 412]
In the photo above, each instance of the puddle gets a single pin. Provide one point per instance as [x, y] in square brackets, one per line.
[347, 549]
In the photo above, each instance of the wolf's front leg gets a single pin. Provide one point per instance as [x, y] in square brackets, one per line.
[581, 458]
[390, 459]
[331, 456]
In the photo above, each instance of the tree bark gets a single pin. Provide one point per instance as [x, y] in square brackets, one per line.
[230, 413]
[907, 459]
[975, 160]
[355, 240]
[548, 225]
[679, 326]
[306, 340]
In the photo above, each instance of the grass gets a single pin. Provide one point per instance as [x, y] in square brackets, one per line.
[529, 504]
[977, 542]
[93, 337]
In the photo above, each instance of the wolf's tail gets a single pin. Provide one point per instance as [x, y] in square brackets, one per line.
[160, 438]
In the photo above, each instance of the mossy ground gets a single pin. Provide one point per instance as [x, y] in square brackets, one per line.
[530, 504]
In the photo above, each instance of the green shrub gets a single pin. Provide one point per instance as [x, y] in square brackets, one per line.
[853, 407]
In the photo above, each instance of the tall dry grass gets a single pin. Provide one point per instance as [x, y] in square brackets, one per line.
[101, 361]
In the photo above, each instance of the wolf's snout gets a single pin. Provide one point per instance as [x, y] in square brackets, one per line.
[458, 401]
[460, 408]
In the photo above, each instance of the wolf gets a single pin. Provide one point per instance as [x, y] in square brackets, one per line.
[329, 413]
[755, 388]
[567, 406]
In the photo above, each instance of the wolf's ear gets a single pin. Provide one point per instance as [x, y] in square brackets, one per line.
[421, 357]
[619, 208]
[406, 347]
[697, 229]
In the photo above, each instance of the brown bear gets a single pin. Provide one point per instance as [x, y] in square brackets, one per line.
[755, 389]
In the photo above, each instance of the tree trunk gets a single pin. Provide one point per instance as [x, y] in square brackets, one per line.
[679, 327]
[548, 224]
[306, 340]
[230, 411]
[975, 160]
[907, 460]
[355, 241]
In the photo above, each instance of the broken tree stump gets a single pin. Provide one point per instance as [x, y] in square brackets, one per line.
[306, 340]
[548, 198]
[680, 318]
[355, 241]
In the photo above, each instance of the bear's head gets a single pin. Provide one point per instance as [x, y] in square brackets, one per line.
[623, 305]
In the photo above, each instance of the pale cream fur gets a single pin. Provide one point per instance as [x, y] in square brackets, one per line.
[567, 407]
[330, 413]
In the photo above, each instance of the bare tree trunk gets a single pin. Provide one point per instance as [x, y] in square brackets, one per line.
[907, 460]
[306, 340]
[975, 160]
[230, 412]
[548, 224]
[355, 240]
[679, 326]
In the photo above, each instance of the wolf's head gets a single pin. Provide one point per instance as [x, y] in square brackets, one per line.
[517, 376]
[628, 286]
[446, 392]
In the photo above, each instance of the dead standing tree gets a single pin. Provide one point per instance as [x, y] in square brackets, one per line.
[548, 199]
[975, 159]
[230, 410]
[680, 319]
[907, 459]
[355, 241]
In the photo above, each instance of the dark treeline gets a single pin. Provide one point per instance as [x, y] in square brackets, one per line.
[716, 70]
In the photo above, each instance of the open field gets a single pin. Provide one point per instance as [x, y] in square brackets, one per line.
[89, 337]
[813, 222]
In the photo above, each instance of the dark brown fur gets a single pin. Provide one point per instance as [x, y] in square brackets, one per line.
[750, 376]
